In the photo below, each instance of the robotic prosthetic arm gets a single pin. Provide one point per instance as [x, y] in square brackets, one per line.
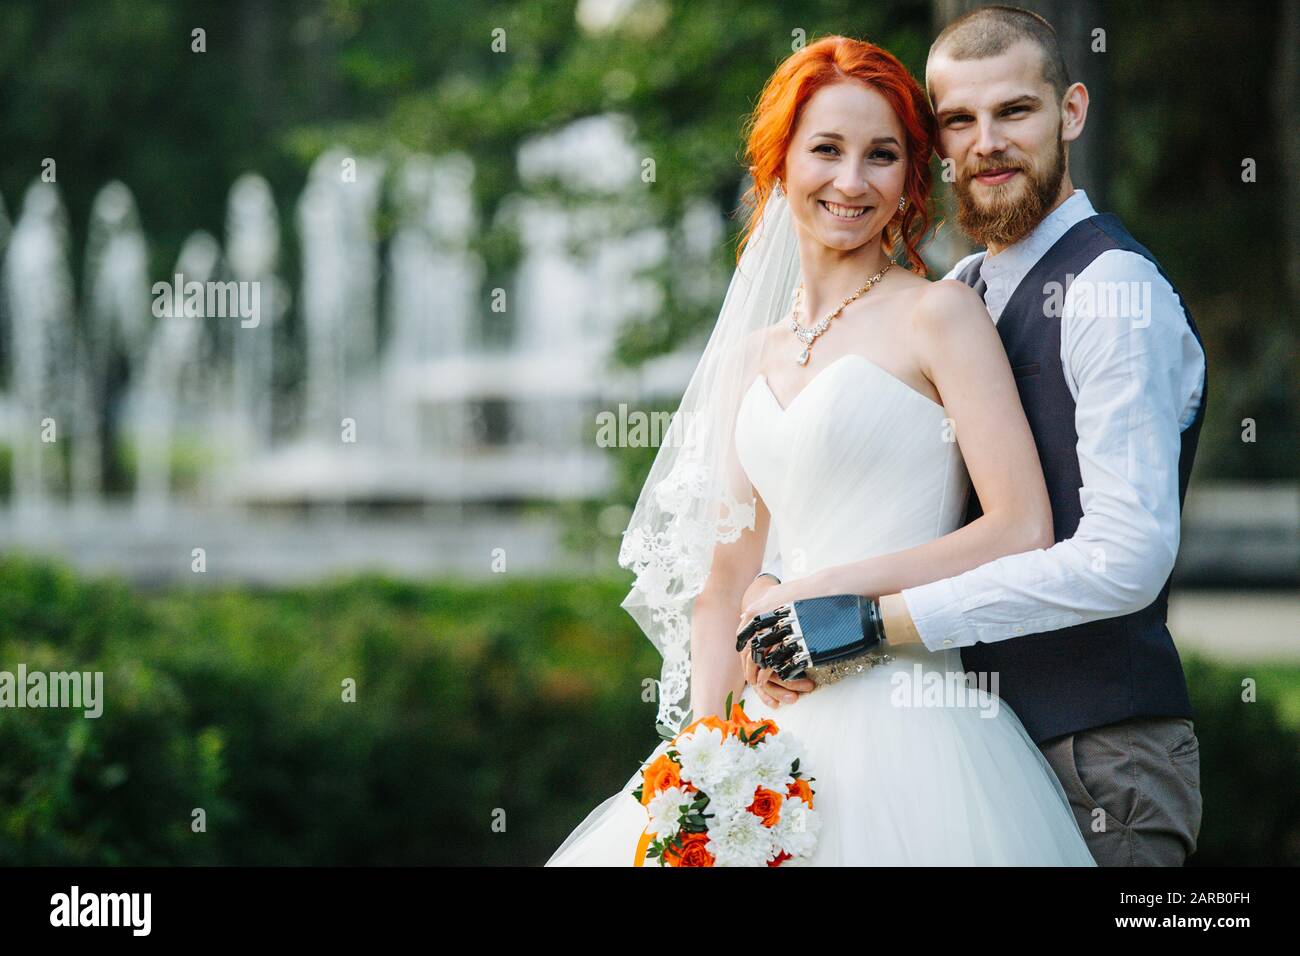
[822, 638]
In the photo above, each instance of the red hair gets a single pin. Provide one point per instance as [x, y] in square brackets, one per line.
[831, 60]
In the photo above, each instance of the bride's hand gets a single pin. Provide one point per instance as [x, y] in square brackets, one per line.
[764, 595]
[761, 599]
[765, 685]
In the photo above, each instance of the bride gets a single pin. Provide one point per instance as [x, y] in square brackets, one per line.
[852, 441]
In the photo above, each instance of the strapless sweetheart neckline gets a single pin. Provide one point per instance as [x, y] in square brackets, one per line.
[784, 410]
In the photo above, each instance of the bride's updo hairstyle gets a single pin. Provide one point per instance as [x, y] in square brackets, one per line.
[831, 60]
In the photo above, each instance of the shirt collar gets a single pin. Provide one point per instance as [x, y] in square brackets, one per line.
[1002, 272]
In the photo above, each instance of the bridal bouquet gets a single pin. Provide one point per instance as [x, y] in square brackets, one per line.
[727, 793]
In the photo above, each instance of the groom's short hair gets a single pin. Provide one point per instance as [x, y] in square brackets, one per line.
[989, 31]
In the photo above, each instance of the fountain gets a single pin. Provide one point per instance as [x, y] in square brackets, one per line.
[115, 324]
[253, 255]
[443, 413]
[172, 372]
[432, 298]
[339, 272]
[39, 301]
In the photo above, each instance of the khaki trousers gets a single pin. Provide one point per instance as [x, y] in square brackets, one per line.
[1135, 788]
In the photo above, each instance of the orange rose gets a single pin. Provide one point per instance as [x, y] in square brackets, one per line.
[717, 723]
[692, 852]
[739, 722]
[767, 804]
[659, 776]
[801, 789]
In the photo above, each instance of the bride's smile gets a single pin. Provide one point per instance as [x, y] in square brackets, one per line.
[840, 211]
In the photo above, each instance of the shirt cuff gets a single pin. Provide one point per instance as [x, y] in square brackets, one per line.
[936, 613]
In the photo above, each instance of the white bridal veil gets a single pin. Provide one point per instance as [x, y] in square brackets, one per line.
[697, 495]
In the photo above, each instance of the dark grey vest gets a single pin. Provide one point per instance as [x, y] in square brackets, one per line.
[1093, 674]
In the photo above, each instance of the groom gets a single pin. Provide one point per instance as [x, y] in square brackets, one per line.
[1111, 374]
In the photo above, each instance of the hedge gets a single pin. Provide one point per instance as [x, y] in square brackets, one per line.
[489, 718]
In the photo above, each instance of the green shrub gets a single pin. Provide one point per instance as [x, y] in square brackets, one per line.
[513, 700]
[1250, 764]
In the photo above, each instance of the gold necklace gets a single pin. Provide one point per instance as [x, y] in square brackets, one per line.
[808, 335]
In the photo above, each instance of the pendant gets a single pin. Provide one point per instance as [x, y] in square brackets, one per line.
[801, 358]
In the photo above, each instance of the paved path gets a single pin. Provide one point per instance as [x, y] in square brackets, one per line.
[1237, 625]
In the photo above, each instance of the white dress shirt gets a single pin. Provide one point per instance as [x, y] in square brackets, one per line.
[1137, 380]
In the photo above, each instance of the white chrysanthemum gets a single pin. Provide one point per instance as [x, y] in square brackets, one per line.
[796, 831]
[707, 758]
[773, 758]
[665, 810]
[740, 840]
[734, 792]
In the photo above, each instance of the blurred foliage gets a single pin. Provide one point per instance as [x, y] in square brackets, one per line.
[468, 704]
[521, 697]
[1250, 763]
[1177, 183]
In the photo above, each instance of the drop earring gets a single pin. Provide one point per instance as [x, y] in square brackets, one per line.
[902, 203]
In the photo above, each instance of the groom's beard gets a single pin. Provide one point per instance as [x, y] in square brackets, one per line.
[1009, 212]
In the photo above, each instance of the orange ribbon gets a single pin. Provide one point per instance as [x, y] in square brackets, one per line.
[641, 846]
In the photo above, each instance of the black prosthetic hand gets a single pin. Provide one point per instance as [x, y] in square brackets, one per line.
[822, 638]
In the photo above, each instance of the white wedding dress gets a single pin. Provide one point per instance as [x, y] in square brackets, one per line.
[861, 464]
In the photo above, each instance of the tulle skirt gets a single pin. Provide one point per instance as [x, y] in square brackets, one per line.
[913, 764]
